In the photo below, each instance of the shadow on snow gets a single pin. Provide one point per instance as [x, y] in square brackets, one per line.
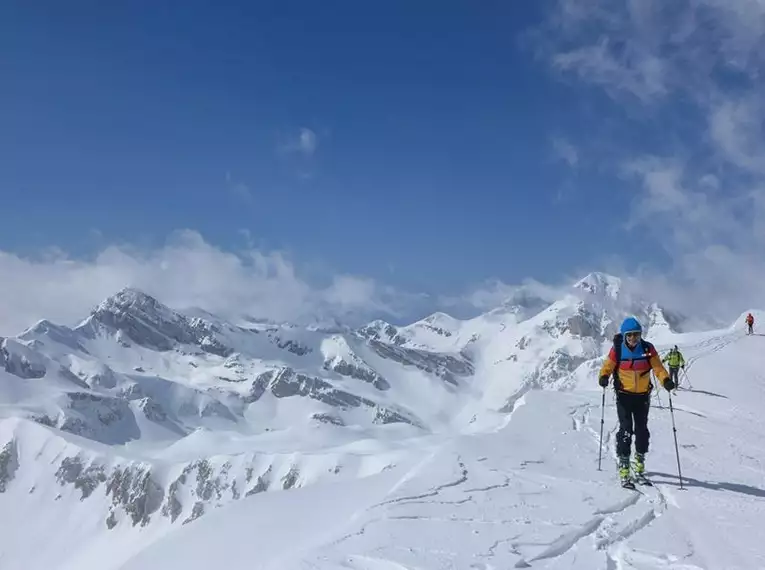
[719, 486]
[705, 392]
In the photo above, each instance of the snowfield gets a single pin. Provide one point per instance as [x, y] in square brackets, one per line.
[147, 438]
[529, 495]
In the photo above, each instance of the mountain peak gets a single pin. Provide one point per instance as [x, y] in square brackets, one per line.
[143, 319]
[598, 283]
[129, 297]
[439, 318]
[130, 300]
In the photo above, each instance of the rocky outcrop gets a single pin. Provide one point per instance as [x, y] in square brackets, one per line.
[85, 478]
[18, 360]
[292, 346]
[134, 491]
[101, 418]
[286, 383]
[382, 331]
[446, 366]
[328, 419]
[147, 322]
[358, 372]
[9, 464]
[559, 366]
[137, 495]
[584, 324]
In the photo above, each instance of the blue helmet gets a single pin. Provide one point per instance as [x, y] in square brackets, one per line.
[630, 324]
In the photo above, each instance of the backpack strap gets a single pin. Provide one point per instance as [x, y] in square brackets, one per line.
[618, 355]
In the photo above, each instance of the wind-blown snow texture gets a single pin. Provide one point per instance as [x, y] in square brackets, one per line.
[418, 447]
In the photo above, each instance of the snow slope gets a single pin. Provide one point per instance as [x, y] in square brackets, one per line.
[126, 433]
[530, 494]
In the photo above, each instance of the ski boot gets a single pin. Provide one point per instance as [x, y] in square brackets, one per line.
[638, 468]
[624, 473]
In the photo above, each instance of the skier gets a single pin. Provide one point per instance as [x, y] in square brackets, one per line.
[749, 324]
[675, 361]
[630, 361]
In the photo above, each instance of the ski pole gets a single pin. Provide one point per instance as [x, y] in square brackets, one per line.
[677, 451]
[690, 386]
[602, 416]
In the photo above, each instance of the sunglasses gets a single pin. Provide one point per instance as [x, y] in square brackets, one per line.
[632, 335]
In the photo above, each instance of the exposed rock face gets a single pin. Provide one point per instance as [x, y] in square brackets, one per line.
[446, 366]
[328, 419]
[557, 367]
[137, 495]
[9, 464]
[16, 359]
[355, 371]
[287, 383]
[101, 418]
[292, 346]
[152, 410]
[85, 478]
[145, 321]
[382, 331]
[133, 490]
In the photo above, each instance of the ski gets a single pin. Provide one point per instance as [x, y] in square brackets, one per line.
[643, 480]
[628, 484]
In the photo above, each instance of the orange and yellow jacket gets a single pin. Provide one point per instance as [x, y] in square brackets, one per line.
[635, 368]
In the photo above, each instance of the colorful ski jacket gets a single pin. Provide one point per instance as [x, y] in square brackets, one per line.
[634, 375]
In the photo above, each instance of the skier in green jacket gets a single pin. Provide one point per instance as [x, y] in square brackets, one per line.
[675, 361]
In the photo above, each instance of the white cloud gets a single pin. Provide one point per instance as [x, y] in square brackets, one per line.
[735, 128]
[618, 69]
[493, 293]
[482, 297]
[694, 72]
[304, 142]
[307, 142]
[298, 149]
[185, 272]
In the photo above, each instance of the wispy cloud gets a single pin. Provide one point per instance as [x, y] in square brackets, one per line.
[493, 293]
[238, 188]
[565, 151]
[304, 142]
[186, 272]
[299, 149]
[693, 71]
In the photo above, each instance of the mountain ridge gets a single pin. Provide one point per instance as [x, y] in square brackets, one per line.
[161, 410]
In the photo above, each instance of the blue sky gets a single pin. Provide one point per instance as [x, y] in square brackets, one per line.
[421, 147]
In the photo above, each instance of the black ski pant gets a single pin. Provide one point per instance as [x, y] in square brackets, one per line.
[674, 371]
[632, 410]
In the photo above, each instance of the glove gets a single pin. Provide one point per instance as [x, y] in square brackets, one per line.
[669, 384]
[603, 381]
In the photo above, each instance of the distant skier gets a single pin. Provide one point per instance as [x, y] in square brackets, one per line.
[675, 361]
[749, 324]
[630, 361]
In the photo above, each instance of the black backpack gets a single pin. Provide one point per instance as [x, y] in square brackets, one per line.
[618, 338]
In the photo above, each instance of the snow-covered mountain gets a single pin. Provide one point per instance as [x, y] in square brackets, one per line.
[143, 418]
[530, 495]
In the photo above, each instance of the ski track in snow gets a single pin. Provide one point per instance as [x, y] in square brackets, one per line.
[611, 527]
